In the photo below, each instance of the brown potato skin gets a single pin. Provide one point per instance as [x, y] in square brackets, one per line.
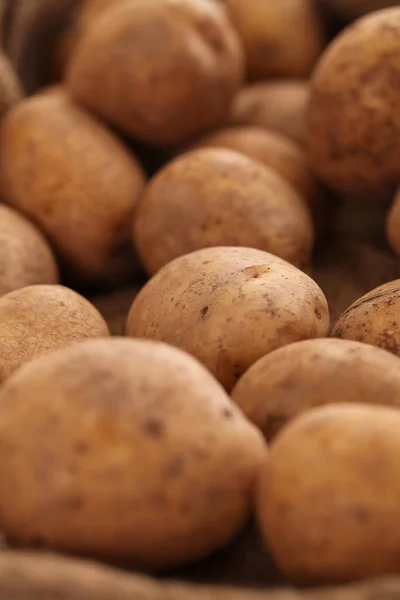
[219, 197]
[25, 256]
[328, 497]
[373, 319]
[228, 307]
[37, 319]
[279, 106]
[144, 457]
[353, 132]
[281, 39]
[162, 72]
[274, 150]
[311, 373]
[71, 176]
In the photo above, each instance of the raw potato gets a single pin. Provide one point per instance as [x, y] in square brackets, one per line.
[374, 319]
[163, 72]
[311, 373]
[25, 256]
[356, 8]
[10, 86]
[125, 449]
[354, 119]
[279, 106]
[229, 307]
[76, 180]
[218, 197]
[328, 499]
[393, 224]
[37, 319]
[275, 151]
[281, 39]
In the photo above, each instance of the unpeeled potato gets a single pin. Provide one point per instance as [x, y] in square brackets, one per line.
[161, 71]
[328, 497]
[228, 307]
[281, 39]
[353, 132]
[311, 373]
[124, 449]
[25, 256]
[277, 105]
[373, 319]
[274, 150]
[76, 180]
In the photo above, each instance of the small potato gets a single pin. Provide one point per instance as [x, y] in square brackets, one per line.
[354, 116]
[275, 151]
[373, 319]
[71, 176]
[281, 39]
[301, 376]
[25, 256]
[218, 197]
[124, 449]
[40, 318]
[162, 72]
[279, 106]
[328, 498]
[352, 9]
[229, 307]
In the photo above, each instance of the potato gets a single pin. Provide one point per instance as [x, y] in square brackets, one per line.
[124, 449]
[40, 318]
[393, 224]
[10, 86]
[282, 39]
[279, 106]
[162, 72]
[311, 373]
[76, 180]
[229, 307]
[356, 8]
[218, 197]
[373, 319]
[25, 256]
[275, 151]
[353, 124]
[328, 498]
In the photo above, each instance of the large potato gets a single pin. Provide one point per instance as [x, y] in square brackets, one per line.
[328, 499]
[356, 8]
[354, 116]
[373, 319]
[76, 180]
[311, 373]
[40, 318]
[218, 197]
[279, 106]
[282, 39]
[25, 256]
[160, 71]
[275, 151]
[229, 307]
[124, 449]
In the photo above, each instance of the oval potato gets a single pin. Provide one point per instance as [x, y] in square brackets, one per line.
[124, 449]
[311, 373]
[228, 307]
[37, 319]
[328, 497]
[218, 197]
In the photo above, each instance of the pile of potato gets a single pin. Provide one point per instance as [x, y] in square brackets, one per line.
[200, 151]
